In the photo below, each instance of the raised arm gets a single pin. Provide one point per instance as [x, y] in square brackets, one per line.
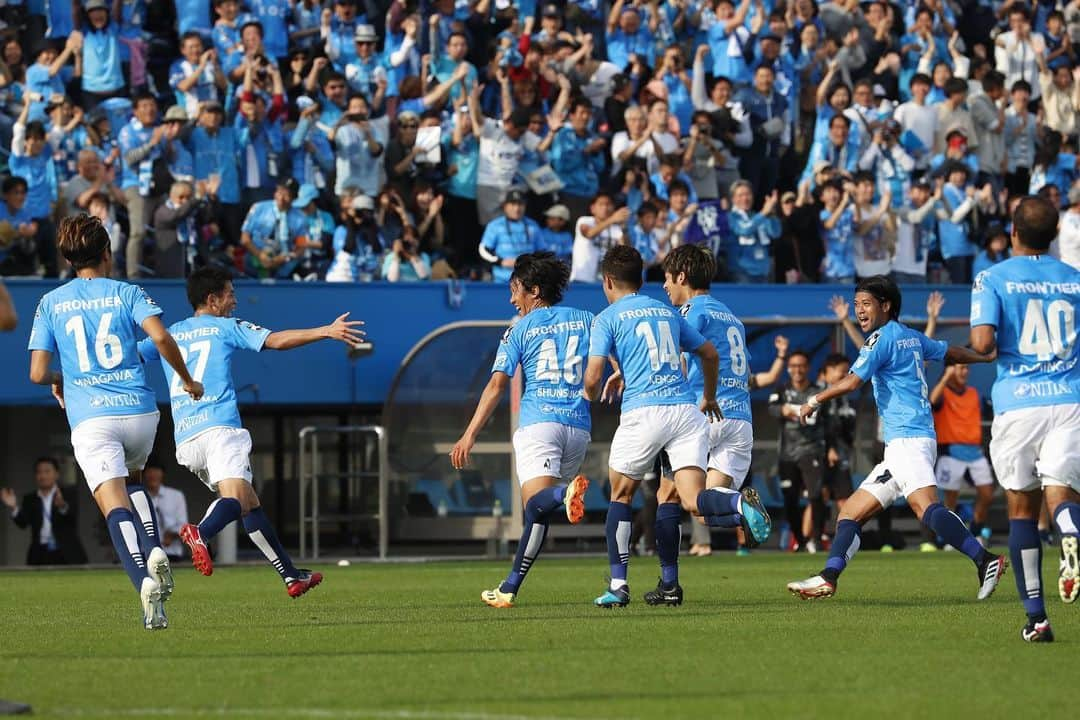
[764, 379]
[489, 400]
[166, 347]
[934, 303]
[343, 329]
[840, 308]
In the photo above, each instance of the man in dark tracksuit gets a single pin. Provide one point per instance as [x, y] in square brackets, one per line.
[802, 448]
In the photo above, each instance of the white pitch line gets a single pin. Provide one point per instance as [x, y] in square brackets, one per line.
[305, 712]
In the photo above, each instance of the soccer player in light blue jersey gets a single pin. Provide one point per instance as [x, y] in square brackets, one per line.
[688, 273]
[1026, 308]
[91, 323]
[660, 413]
[892, 358]
[548, 343]
[210, 439]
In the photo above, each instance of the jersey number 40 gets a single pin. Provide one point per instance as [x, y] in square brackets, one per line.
[1050, 332]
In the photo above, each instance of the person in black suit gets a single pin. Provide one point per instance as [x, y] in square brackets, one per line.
[54, 535]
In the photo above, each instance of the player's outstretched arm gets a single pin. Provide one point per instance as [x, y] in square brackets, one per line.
[983, 339]
[343, 329]
[42, 374]
[166, 347]
[764, 379]
[489, 400]
[849, 384]
[594, 377]
[710, 372]
[966, 356]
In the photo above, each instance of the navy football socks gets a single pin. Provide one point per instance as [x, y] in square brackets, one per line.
[618, 526]
[220, 513]
[125, 539]
[1025, 550]
[845, 545]
[262, 534]
[534, 531]
[950, 528]
[668, 541]
[147, 526]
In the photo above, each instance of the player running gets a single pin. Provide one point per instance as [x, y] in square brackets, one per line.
[549, 344]
[1026, 309]
[91, 323]
[688, 273]
[659, 413]
[210, 441]
[893, 357]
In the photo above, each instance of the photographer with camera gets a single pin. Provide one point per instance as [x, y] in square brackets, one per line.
[889, 162]
[360, 143]
[405, 262]
[260, 141]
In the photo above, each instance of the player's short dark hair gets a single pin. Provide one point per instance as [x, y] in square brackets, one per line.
[834, 359]
[695, 262]
[623, 264]
[864, 176]
[1035, 223]
[11, 182]
[82, 241]
[48, 459]
[205, 282]
[330, 76]
[544, 271]
[154, 464]
[884, 290]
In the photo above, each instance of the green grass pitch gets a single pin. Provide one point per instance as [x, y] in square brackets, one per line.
[905, 638]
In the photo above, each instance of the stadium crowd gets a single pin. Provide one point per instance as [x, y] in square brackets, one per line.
[355, 140]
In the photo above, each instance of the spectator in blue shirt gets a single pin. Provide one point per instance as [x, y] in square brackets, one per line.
[555, 236]
[577, 156]
[310, 148]
[626, 36]
[444, 64]
[196, 77]
[17, 256]
[43, 77]
[141, 144]
[31, 160]
[772, 132]
[274, 234]
[226, 34]
[320, 233]
[274, 16]
[839, 149]
[215, 153]
[837, 225]
[670, 171]
[405, 262]
[508, 236]
[338, 28]
[958, 199]
[102, 77]
[752, 234]
[366, 73]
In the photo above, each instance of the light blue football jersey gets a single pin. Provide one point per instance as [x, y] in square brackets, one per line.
[646, 336]
[550, 345]
[893, 358]
[94, 325]
[1033, 302]
[207, 344]
[718, 325]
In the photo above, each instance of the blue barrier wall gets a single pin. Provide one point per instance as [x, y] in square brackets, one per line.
[397, 316]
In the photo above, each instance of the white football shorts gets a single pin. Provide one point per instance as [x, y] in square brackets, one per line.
[681, 430]
[218, 454]
[950, 472]
[731, 444]
[1038, 446]
[110, 447]
[908, 466]
[549, 449]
